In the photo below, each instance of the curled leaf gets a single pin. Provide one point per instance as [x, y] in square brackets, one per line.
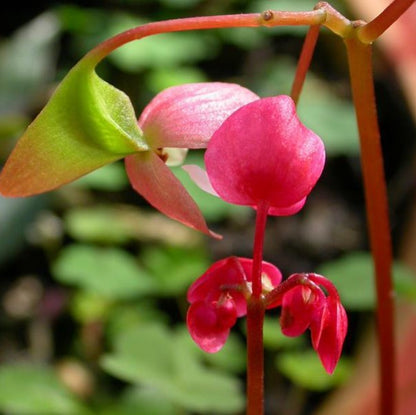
[86, 124]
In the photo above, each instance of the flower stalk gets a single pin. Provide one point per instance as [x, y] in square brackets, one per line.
[255, 319]
[359, 57]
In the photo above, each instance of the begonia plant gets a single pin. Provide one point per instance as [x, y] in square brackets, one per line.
[258, 154]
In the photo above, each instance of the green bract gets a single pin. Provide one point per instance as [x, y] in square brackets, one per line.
[86, 124]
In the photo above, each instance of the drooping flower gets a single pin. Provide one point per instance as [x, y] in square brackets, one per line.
[219, 296]
[306, 306]
[309, 301]
[58, 147]
[261, 154]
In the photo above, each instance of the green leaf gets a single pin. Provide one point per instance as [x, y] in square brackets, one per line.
[153, 356]
[353, 276]
[86, 124]
[117, 224]
[174, 268]
[305, 369]
[99, 224]
[109, 272]
[162, 78]
[332, 118]
[108, 178]
[34, 390]
[143, 401]
[88, 306]
[231, 358]
[274, 338]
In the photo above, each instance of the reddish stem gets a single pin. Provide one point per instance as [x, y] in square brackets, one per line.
[255, 319]
[359, 57]
[304, 61]
[372, 30]
[268, 18]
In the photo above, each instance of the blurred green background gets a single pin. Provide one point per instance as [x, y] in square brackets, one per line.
[93, 280]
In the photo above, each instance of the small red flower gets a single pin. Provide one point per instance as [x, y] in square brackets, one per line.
[219, 296]
[306, 306]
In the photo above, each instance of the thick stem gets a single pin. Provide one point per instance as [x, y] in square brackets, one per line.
[372, 30]
[255, 319]
[359, 57]
[304, 61]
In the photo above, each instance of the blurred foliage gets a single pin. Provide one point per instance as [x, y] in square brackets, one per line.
[94, 280]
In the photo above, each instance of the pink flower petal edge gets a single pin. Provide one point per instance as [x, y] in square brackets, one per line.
[153, 180]
[187, 115]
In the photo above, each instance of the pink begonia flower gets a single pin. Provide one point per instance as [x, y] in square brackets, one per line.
[182, 116]
[262, 153]
[306, 306]
[219, 297]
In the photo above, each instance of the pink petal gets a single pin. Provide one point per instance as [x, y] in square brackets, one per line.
[262, 152]
[269, 270]
[154, 181]
[187, 115]
[289, 210]
[333, 334]
[200, 177]
[205, 324]
[299, 308]
[211, 285]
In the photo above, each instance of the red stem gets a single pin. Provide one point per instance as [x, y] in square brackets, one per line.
[372, 30]
[359, 57]
[255, 319]
[268, 18]
[304, 61]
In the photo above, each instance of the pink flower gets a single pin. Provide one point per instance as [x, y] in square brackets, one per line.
[262, 153]
[306, 306]
[54, 151]
[184, 117]
[218, 298]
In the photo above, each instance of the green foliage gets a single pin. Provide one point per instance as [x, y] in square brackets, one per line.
[274, 339]
[173, 269]
[143, 401]
[160, 51]
[109, 178]
[305, 370]
[98, 224]
[109, 272]
[32, 46]
[353, 275]
[34, 390]
[156, 357]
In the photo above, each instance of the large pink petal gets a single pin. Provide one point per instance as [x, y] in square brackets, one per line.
[187, 115]
[262, 152]
[151, 178]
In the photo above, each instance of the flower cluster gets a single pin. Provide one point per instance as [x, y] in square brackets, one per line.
[219, 296]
